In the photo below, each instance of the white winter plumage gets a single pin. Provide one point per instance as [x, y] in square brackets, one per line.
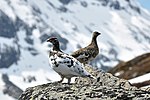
[75, 69]
[65, 65]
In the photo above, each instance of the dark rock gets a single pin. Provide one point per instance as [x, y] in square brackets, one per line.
[29, 79]
[7, 27]
[104, 2]
[63, 41]
[51, 4]
[36, 9]
[20, 24]
[44, 37]
[9, 56]
[84, 4]
[137, 9]
[10, 88]
[63, 9]
[29, 40]
[107, 87]
[97, 62]
[65, 2]
[115, 5]
[32, 51]
[133, 68]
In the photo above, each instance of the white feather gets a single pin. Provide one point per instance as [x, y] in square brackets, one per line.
[76, 68]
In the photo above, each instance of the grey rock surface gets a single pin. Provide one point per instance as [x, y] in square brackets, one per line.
[105, 86]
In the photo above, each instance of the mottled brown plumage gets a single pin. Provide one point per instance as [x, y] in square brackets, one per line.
[65, 65]
[87, 54]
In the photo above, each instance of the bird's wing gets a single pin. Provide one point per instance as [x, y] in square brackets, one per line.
[69, 65]
[82, 53]
[76, 53]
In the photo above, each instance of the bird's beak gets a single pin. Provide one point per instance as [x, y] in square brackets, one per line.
[99, 33]
[48, 40]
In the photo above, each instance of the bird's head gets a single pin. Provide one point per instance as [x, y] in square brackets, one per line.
[53, 40]
[55, 43]
[96, 33]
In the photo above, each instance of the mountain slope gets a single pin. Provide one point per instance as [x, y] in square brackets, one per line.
[26, 24]
[133, 68]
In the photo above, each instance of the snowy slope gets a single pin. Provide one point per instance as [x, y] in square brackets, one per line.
[141, 79]
[26, 24]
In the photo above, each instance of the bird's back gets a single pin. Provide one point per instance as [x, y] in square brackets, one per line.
[88, 53]
[84, 55]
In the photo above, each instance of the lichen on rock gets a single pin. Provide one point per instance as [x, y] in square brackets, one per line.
[105, 86]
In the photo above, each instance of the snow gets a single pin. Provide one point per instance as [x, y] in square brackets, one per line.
[41, 76]
[23, 11]
[142, 78]
[5, 97]
[6, 42]
[7, 9]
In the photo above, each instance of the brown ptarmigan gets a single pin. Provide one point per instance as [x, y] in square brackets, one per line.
[65, 65]
[88, 53]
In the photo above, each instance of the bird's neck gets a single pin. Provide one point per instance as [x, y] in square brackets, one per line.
[56, 47]
[94, 42]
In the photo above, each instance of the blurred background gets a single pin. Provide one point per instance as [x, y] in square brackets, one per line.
[25, 25]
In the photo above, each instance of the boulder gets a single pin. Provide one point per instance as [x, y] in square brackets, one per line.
[104, 86]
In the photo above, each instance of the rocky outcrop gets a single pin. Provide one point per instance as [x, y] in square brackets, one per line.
[9, 55]
[104, 86]
[133, 68]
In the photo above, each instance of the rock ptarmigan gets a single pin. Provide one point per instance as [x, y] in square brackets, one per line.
[65, 65]
[88, 53]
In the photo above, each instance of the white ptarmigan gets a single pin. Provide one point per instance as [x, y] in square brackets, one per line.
[88, 53]
[65, 65]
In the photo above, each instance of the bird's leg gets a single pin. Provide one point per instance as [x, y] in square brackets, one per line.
[62, 78]
[69, 80]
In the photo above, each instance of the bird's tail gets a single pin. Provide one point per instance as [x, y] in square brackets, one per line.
[90, 76]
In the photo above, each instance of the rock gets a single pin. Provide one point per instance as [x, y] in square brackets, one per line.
[8, 55]
[7, 27]
[10, 88]
[133, 68]
[104, 86]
